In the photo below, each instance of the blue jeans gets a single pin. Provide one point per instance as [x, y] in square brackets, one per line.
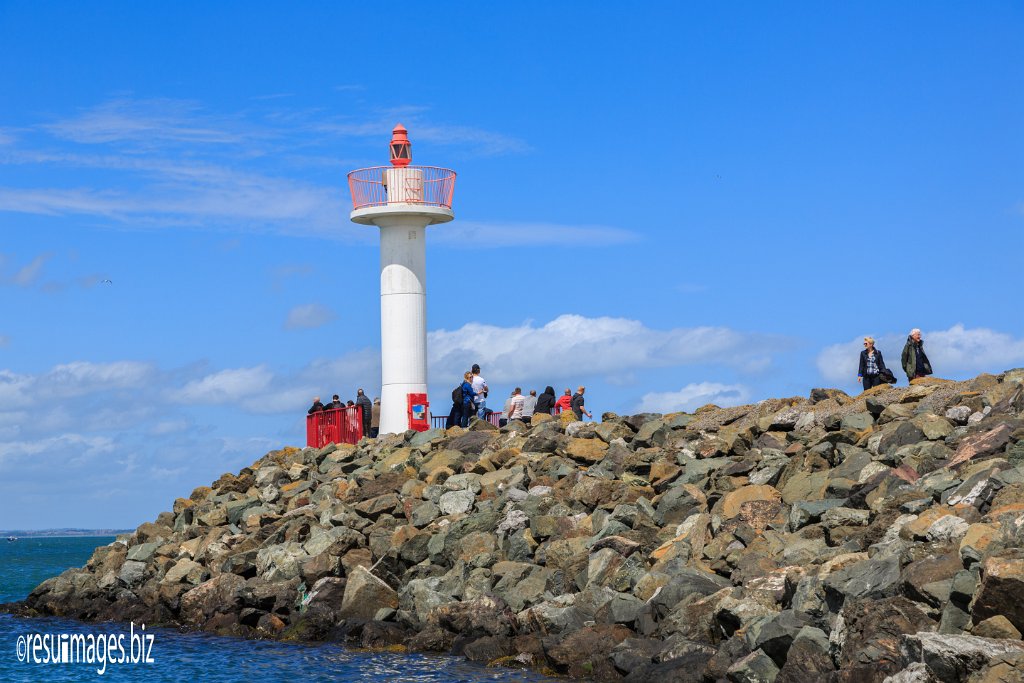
[467, 412]
[480, 408]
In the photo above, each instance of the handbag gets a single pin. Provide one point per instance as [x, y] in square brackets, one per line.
[886, 376]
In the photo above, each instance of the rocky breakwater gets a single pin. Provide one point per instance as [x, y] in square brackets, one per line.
[875, 538]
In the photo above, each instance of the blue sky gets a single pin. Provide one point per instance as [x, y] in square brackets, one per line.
[672, 205]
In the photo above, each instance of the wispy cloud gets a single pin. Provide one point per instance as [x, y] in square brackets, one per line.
[29, 274]
[693, 396]
[280, 274]
[4, 340]
[308, 316]
[477, 235]
[148, 121]
[954, 353]
[171, 162]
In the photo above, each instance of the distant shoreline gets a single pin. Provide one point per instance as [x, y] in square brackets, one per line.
[62, 533]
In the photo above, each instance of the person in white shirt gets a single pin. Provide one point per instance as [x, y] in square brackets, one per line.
[529, 406]
[480, 389]
[515, 405]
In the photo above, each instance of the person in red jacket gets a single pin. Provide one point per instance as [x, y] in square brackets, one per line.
[564, 402]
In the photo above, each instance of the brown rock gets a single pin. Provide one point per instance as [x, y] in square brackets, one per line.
[1002, 588]
[996, 627]
[365, 594]
[985, 443]
[732, 504]
[587, 450]
[871, 650]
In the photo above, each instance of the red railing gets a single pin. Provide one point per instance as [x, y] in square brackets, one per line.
[423, 185]
[340, 425]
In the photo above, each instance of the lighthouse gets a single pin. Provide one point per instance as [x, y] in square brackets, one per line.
[402, 200]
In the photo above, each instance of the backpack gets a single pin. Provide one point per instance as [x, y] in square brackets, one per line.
[457, 394]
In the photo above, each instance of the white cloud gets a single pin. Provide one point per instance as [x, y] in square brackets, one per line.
[308, 316]
[477, 235]
[693, 396]
[576, 346]
[957, 352]
[226, 386]
[74, 449]
[18, 391]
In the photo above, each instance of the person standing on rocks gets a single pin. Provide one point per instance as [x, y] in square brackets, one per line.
[468, 398]
[915, 362]
[529, 406]
[480, 391]
[576, 404]
[546, 401]
[363, 401]
[871, 365]
[316, 407]
[564, 402]
[515, 405]
[375, 418]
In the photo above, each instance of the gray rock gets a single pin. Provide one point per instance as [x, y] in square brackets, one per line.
[132, 572]
[456, 502]
[877, 578]
[142, 552]
[857, 422]
[757, 667]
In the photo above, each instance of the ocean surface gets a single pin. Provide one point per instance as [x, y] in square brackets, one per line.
[195, 656]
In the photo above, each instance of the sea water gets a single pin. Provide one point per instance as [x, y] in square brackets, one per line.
[175, 656]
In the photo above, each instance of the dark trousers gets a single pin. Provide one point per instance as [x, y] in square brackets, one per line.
[871, 381]
[468, 411]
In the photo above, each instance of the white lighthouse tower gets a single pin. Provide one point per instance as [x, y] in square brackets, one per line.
[402, 200]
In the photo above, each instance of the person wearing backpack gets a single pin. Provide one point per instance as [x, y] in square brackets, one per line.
[872, 370]
[455, 414]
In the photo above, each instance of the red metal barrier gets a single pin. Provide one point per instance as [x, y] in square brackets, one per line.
[426, 185]
[340, 425]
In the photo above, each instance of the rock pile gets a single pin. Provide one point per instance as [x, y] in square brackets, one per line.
[875, 538]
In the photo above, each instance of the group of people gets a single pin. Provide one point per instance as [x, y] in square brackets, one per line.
[469, 399]
[872, 370]
[371, 410]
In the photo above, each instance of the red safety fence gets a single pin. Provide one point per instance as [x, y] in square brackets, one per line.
[339, 425]
[424, 185]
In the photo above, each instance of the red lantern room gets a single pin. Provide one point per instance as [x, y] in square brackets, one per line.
[401, 148]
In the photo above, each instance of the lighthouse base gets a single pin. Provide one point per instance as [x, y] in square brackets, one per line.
[394, 401]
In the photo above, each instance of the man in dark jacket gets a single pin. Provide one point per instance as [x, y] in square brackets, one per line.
[363, 401]
[334, 404]
[915, 362]
[577, 404]
[317, 406]
[545, 402]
